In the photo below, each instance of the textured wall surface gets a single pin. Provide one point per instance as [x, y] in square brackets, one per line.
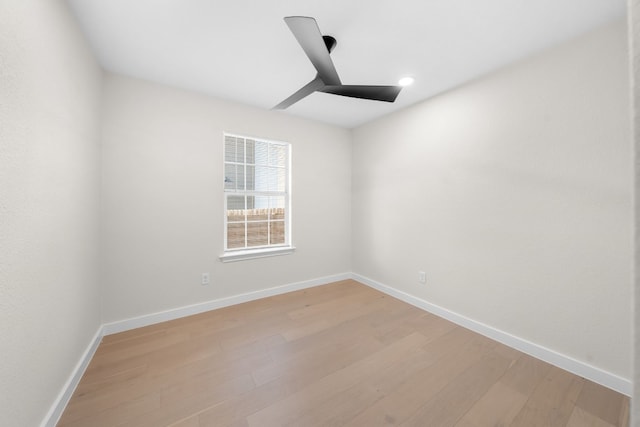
[49, 106]
[634, 55]
[163, 199]
[514, 195]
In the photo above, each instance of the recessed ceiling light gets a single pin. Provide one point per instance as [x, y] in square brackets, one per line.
[405, 81]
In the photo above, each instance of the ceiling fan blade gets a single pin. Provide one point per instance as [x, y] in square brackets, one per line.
[376, 93]
[306, 31]
[306, 90]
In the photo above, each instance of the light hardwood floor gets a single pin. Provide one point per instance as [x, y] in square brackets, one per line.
[336, 355]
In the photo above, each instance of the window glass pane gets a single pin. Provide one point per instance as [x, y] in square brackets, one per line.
[276, 179]
[235, 208]
[276, 205]
[230, 177]
[281, 180]
[278, 155]
[261, 178]
[251, 177]
[235, 235]
[229, 149]
[272, 179]
[262, 202]
[235, 202]
[260, 210]
[235, 215]
[240, 150]
[277, 232]
[257, 233]
[251, 202]
[261, 152]
[240, 177]
[250, 151]
[257, 214]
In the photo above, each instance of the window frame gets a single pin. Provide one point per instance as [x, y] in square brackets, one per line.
[238, 254]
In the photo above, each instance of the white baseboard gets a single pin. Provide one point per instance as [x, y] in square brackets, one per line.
[175, 313]
[597, 375]
[56, 410]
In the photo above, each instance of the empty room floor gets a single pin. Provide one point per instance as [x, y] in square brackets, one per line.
[333, 355]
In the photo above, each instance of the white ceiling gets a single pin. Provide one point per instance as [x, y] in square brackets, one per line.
[242, 50]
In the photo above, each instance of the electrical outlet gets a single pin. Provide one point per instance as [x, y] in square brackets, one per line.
[205, 279]
[422, 277]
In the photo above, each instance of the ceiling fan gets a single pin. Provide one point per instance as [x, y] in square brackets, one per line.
[318, 47]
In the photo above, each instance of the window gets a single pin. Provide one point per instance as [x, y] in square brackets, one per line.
[256, 198]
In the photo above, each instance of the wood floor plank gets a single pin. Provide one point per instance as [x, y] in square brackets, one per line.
[300, 330]
[448, 406]
[498, 407]
[287, 410]
[355, 300]
[313, 360]
[334, 355]
[336, 336]
[400, 404]
[299, 374]
[502, 403]
[148, 344]
[623, 418]
[581, 418]
[99, 384]
[339, 408]
[552, 402]
[217, 368]
[191, 421]
[113, 414]
[600, 402]
[343, 406]
[182, 400]
[525, 374]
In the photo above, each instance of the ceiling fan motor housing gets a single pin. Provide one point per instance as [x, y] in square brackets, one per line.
[330, 42]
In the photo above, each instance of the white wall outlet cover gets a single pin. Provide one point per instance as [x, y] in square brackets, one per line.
[205, 279]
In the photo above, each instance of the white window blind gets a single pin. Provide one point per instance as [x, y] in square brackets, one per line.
[257, 197]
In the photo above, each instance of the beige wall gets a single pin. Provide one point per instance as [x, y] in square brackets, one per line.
[513, 193]
[49, 111]
[163, 200]
[634, 44]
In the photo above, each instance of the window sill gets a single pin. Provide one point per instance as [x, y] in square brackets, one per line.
[233, 256]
